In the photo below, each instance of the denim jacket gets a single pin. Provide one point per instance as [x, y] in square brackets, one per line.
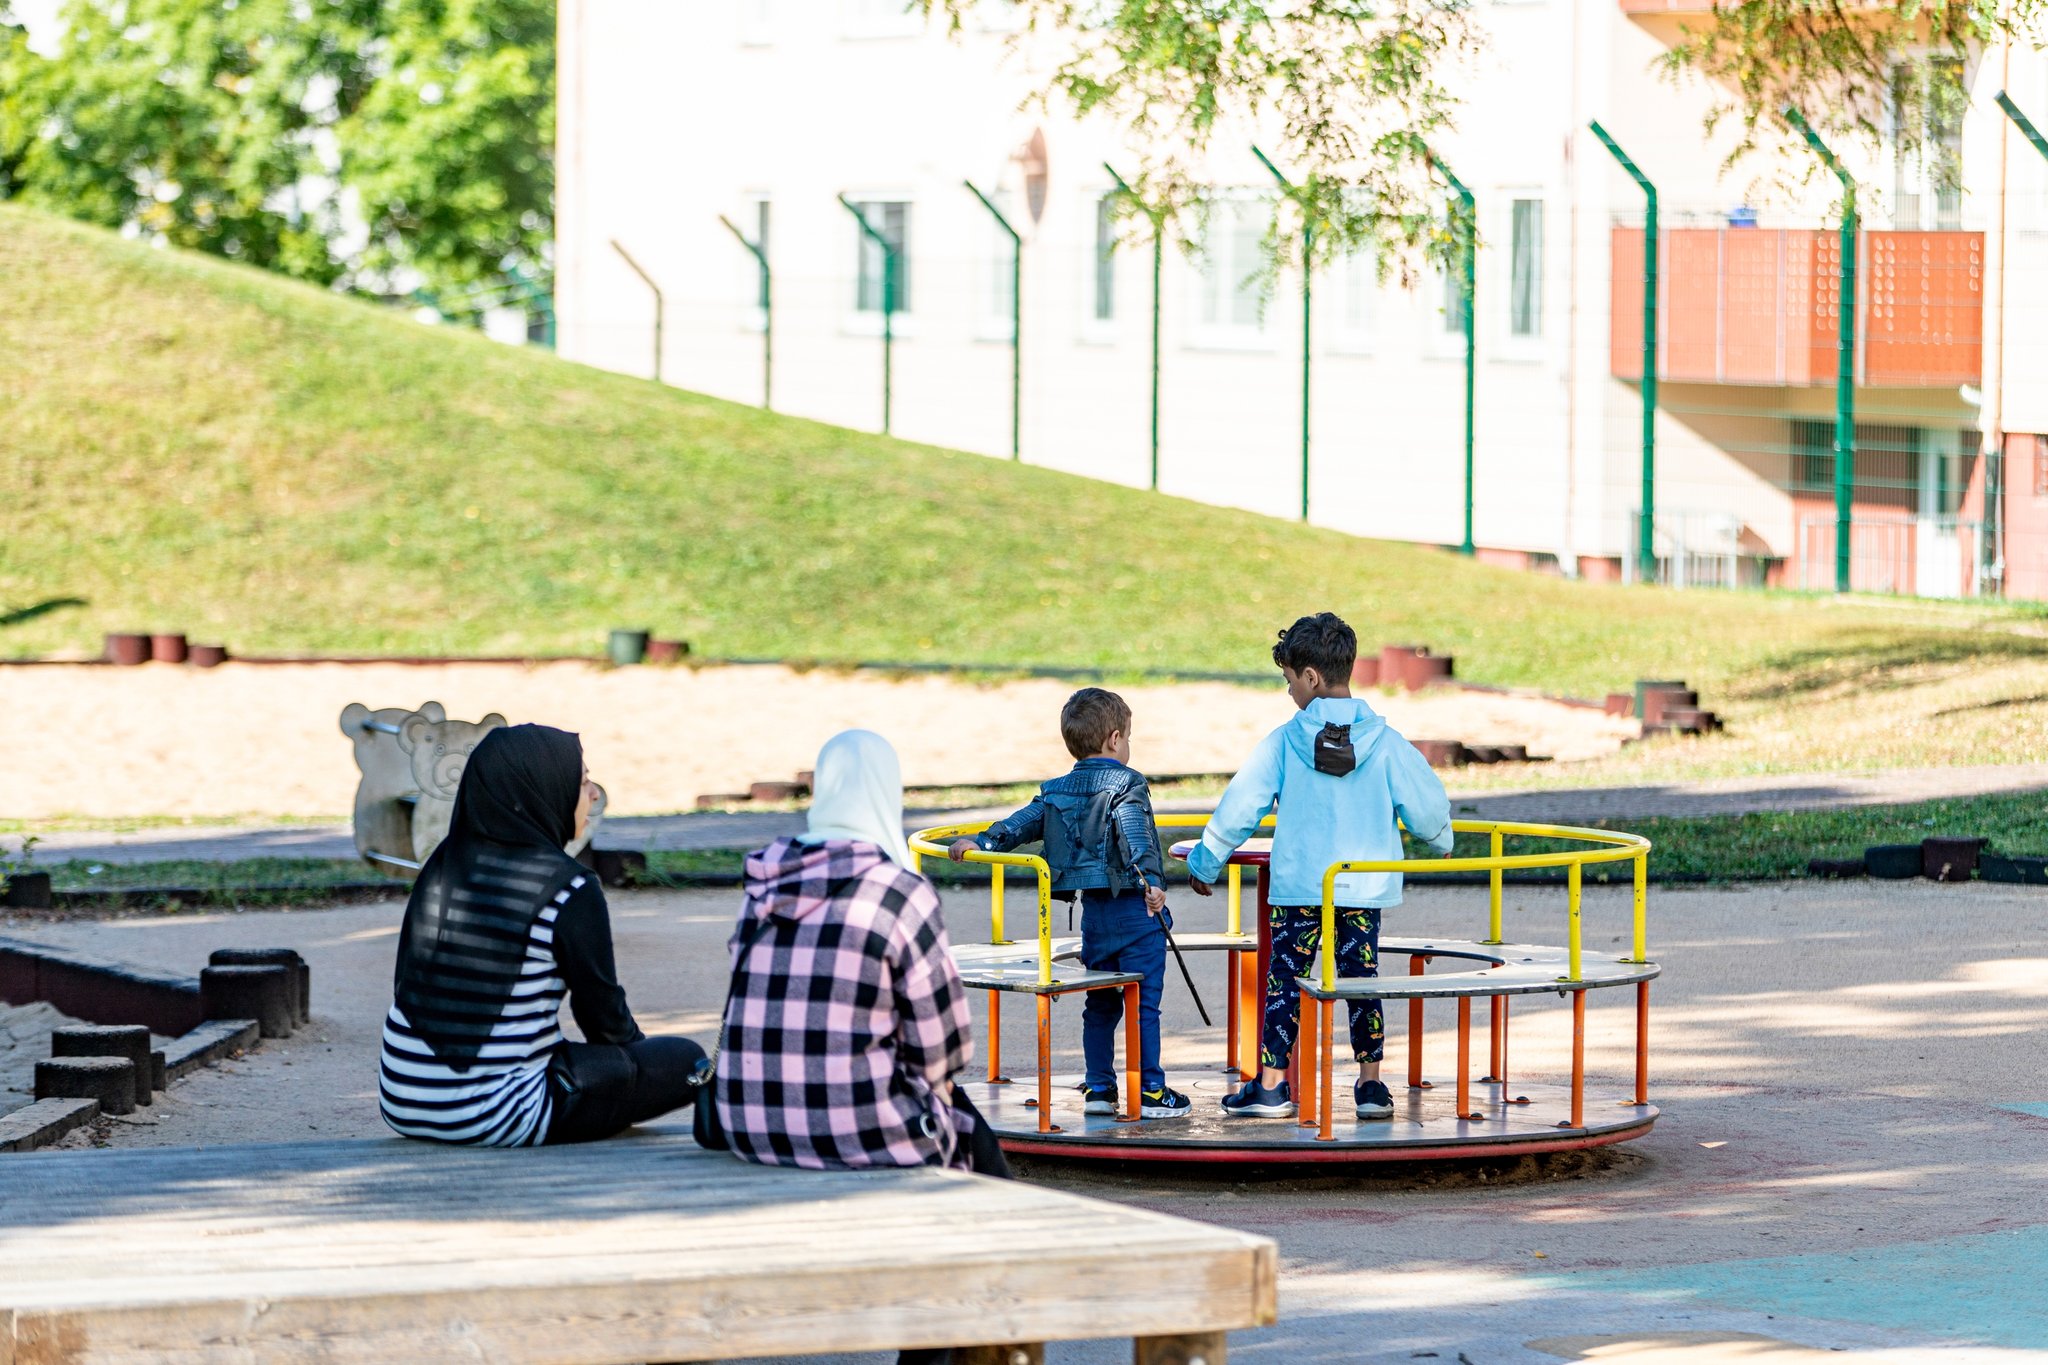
[1097, 825]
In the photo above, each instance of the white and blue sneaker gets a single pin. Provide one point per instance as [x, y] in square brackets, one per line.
[1372, 1100]
[1101, 1100]
[1255, 1101]
[1164, 1103]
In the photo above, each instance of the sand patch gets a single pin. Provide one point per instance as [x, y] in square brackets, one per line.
[263, 739]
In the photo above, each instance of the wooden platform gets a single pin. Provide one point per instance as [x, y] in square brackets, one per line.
[638, 1249]
[1528, 1119]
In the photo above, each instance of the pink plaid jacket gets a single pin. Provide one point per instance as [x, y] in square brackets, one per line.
[846, 1017]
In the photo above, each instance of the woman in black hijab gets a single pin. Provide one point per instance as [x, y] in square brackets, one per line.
[502, 924]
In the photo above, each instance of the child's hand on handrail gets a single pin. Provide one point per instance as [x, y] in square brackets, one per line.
[961, 848]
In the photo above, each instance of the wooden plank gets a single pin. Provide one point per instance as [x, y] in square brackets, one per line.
[638, 1249]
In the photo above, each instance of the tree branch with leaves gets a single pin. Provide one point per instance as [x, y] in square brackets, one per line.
[1351, 94]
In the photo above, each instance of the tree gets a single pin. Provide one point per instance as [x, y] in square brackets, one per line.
[1888, 75]
[246, 128]
[1353, 90]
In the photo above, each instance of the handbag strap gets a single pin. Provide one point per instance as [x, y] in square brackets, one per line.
[709, 1069]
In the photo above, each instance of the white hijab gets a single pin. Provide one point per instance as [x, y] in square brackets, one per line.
[857, 793]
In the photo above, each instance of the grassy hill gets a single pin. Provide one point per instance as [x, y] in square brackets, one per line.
[190, 444]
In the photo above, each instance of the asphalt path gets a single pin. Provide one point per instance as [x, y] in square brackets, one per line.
[1852, 1160]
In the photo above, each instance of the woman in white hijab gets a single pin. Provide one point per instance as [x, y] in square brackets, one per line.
[838, 918]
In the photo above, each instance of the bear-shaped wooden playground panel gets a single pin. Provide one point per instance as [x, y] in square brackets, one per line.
[412, 762]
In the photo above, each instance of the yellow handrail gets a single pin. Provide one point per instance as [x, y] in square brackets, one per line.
[932, 842]
[1619, 846]
[1612, 846]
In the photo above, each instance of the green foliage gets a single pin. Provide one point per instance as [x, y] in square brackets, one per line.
[21, 861]
[1351, 88]
[234, 129]
[1888, 75]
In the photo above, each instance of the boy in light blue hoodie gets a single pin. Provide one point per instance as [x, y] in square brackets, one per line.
[1339, 777]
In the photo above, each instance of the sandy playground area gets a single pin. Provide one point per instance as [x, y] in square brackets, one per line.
[263, 739]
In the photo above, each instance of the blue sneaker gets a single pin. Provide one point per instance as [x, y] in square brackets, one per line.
[1255, 1101]
[1099, 1101]
[1372, 1100]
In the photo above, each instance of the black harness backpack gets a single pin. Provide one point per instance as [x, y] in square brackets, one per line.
[1333, 753]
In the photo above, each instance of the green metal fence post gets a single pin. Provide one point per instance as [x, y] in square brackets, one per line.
[888, 303]
[1468, 272]
[767, 314]
[1016, 322]
[647, 280]
[1158, 257]
[1646, 538]
[1308, 237]
[1845, 357]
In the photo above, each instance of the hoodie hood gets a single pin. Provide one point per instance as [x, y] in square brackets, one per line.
[794, 880]
[1367, 726]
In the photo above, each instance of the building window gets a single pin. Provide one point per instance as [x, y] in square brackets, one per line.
[757, 22]
[1105, 258]
[1233, 261]
[891, 218]
[1451, 285]
[1000, 293]
[761, 245]
[1927, 134]
[1525, 283]
[1887, 462]
[1354, 287]
[881, 18]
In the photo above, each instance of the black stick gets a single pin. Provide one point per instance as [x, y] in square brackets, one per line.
[1188, 977]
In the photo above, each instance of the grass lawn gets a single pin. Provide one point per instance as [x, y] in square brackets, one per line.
[201, 446]
[1760, 847]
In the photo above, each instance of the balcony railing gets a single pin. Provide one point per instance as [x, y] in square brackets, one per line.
[1758, 306]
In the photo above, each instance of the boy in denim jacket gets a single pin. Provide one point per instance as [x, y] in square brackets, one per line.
[1102, 845]
[1340, 778]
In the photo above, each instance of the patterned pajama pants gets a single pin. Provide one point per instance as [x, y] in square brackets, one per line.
[1297, 940]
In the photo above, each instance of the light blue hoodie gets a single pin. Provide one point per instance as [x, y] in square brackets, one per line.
[1325, 819]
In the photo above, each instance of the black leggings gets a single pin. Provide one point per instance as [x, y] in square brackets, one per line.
[600, 1089]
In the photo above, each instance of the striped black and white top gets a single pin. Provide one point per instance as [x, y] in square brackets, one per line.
[501, 1099]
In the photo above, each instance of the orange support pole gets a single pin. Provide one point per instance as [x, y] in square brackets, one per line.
[1642, 1042]
[1415, 1081]
[1309, 1064]
[1578, 1059]
[995, 1039]
[1045, 1065]
[1252, 1025]
[1133, 1047]
[1230, 1011]
[1326, 1101]
[1464, 1056]
[1500, 1069]
[1497, 1039]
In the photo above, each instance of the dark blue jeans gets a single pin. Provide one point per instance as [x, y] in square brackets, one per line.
[1118, 936]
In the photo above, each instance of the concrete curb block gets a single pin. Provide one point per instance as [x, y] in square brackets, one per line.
[96, 990]
[43, 1122]
[209, 1043]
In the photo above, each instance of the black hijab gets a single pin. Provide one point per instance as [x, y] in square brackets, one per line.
[472, 910]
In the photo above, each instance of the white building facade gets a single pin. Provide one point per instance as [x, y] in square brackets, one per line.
[681, 126]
